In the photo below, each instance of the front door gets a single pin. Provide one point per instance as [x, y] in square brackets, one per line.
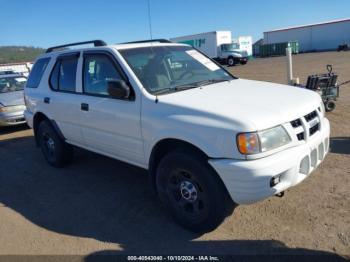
[110, 126]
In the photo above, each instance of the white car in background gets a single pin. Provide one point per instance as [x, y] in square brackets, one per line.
[12, 98]
[208, 139]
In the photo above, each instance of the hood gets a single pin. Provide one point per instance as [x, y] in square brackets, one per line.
[256, 105]
[12, 98]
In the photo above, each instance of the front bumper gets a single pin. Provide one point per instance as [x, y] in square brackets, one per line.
[241, 59]
[248, 181]
[12, 118]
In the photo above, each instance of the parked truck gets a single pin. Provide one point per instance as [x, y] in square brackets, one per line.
[245, 44]
[217, 45]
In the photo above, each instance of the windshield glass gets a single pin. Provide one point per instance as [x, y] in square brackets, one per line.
[230, 47]
[172, 68]
[12, 84]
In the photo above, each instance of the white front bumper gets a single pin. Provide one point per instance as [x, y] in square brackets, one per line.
[248, 181]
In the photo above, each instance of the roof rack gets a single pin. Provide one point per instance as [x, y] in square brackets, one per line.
[150, 40]
[95, 42]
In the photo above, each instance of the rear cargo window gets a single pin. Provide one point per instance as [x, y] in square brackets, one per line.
[37, 72]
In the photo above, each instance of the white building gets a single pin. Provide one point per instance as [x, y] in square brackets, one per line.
[23, 68]
[313, 37]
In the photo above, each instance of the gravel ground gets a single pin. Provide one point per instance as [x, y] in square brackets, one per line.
[99, 205]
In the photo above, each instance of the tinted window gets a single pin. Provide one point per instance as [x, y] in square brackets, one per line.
[64, 74]
[98, 70]
[37, 72]
[68, 69]
[54, 76]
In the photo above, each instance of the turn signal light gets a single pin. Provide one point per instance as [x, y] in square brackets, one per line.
[248, 143]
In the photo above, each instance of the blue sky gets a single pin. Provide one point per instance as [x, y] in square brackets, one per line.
[45, 23]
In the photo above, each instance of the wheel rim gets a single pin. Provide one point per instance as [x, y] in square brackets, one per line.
[230, 61]
[49, 144]
[188, 191]
[186, 194]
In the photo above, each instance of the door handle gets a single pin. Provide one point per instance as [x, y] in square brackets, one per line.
[47, 100]
[84, 107]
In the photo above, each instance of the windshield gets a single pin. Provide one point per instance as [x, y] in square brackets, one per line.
[12, 84]
[164, 69]
[230, 47]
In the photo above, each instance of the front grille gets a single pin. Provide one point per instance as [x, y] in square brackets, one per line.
[314, 129]
[310, 116]
[16, 120]
[306, 126]
[300, 136]
[295, 123]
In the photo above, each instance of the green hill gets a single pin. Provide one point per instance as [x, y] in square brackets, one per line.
[15, 54]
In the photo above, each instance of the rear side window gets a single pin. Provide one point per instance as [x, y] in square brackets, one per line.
[64, 74]
[37, 72]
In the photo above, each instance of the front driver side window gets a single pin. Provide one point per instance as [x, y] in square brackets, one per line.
[98, 70]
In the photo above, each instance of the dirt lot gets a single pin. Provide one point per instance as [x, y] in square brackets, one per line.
[99, 205]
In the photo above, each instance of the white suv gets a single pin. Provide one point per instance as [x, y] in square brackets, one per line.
[208, 139]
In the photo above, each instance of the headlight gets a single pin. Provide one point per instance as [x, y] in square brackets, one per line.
[262, 141]
[11, 108]
[273, 138]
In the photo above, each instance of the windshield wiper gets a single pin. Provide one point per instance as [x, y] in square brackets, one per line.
[174, 89]
[210, 81]
[200, 83]
[189, 86]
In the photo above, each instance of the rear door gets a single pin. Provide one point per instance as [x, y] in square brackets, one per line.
[110, 126]
[63, 101]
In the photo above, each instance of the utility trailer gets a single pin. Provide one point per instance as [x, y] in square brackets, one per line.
[327, 86]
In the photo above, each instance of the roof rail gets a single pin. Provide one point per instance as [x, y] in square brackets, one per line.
[150, 40]
[95, 42]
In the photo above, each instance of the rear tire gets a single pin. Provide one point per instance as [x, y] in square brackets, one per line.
[192, 192]
[56, 152]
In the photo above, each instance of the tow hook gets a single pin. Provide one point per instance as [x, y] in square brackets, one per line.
[280, 194]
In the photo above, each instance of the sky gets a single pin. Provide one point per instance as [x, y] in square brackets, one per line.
[44, 23]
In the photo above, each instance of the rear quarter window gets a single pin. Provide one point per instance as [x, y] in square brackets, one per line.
[37, 72]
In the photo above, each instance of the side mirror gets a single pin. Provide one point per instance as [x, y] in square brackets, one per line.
[118, 89]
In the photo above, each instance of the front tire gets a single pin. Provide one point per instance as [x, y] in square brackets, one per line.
[56, 152]
[230, 61]
[192, 192]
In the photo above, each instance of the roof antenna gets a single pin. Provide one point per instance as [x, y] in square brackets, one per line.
[150, 32]
[149, 18]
